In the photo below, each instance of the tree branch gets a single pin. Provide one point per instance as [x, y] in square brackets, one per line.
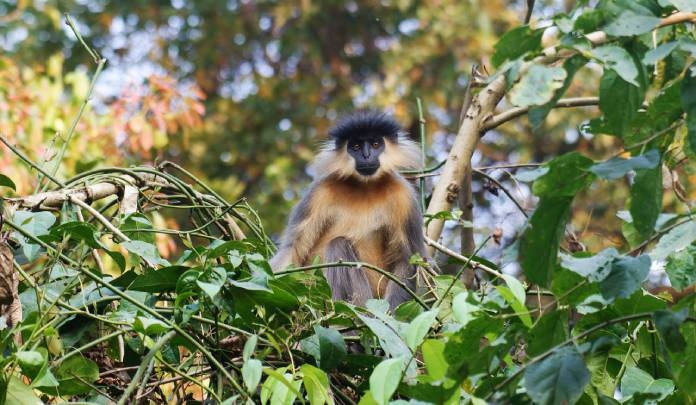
[513, 113]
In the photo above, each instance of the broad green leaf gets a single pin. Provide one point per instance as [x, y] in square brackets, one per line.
[537, 86]
[619, 60]
[252, 370]
[75, 373]
[158, 281]
[680, 267]
[332, 348]
[150, 326]
[594, 268]
[668, 323]
[515, 295]
[567, 175]
[35, 224]
[519, 308]
[646, 200]
[637, 381]
[558, 379]
[625, 277]
[516, 43]
[249, 347]
[655, 55]
[19, 393]
[7, 182]
[385, 379]
[31, 362]
[688, 102]
[538, 114]
[138, 227]
[281, 388]
[389, 340]
[146, 251]
[541, 239]
[316, 383]
[629, 23]
[418, 328]
[619, 101]
[550, 330]
[684, 363]
[618, 167]
[211, 280]
[675, 240]
[681, 5]
[463, 310]
[434, 358]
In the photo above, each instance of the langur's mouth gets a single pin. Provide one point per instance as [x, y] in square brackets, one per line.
[367, 170]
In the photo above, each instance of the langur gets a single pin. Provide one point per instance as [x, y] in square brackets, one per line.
[360, 209]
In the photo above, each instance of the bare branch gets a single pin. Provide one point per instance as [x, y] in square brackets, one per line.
[513, 113]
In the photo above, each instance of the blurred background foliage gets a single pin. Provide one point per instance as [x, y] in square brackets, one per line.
[242, 92]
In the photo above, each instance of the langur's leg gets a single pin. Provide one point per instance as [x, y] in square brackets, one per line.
[347, 283]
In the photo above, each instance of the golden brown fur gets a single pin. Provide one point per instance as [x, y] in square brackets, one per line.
[377, 215]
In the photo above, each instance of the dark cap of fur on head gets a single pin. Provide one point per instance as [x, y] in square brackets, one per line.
[365, 125]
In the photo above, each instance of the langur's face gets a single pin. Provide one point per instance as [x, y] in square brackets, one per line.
[366, 153]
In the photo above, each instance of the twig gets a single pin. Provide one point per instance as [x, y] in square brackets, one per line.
[144, 364]
[513, 113]
[28, 161]
[465, 259]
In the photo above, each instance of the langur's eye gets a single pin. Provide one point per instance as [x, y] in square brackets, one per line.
[375, 144]
[355, 146]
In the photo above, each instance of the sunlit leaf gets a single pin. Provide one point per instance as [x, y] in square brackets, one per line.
[558, 379]
[537, 86]
[385, 379]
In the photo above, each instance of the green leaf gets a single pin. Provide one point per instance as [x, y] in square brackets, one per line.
[537, 86]
[594, 268]
[515, 295]
[558, 379]
[680, 267]
[675, 240]
[389, 340]
[619, 60]
[76, 374]
[637, 381]
[618, 167]
[434, 358]
[31, 362]
[35, 224]
[619, 101]
[625, 277]
[211, 280]
[538, 114]
[137, 227]
[668, 323]
[688, 102]
[550, 330]
[516, 43]
[567, 175]
[541, 239]
[630, 23]
[385, 379]
[681, 5]
[463, 309]
[78, 231]
[7, 182]
[19, 393]
[316, 383]
[146, 251]
[418, 328]
[646, 200]
[332, 348]
[158, 281]
[150, 326]
[252, 370]
[653, 56]
[249, 347]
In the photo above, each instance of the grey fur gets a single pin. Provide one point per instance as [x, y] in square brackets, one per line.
[347, 283]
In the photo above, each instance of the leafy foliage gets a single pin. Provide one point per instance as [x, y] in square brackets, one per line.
[169, 297]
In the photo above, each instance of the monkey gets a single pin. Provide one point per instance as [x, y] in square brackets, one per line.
[359, 208]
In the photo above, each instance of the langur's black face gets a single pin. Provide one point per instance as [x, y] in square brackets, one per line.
[366, 153]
